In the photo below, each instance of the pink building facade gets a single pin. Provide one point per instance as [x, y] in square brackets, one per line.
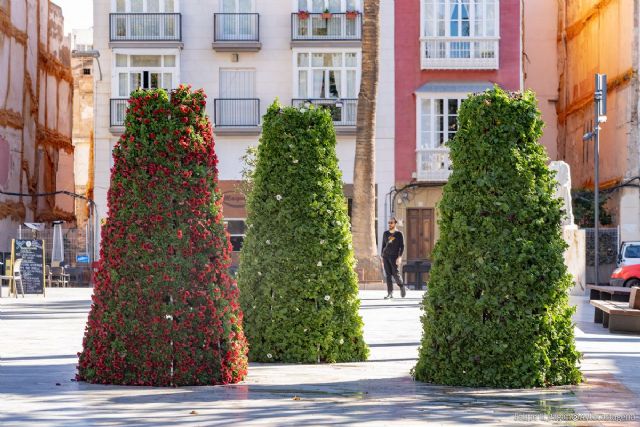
[444, 50]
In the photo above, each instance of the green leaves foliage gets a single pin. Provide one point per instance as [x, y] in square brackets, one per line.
[496, 313]
[299, 291]
[165, 311]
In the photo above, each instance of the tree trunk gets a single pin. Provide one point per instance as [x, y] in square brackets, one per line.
[364, 174]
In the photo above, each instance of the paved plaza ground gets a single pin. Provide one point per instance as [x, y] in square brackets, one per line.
[39, 339]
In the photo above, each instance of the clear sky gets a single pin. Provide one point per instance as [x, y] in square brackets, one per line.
[78, 14]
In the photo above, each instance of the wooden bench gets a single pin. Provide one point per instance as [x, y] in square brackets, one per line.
[617, 316]
[613, 293]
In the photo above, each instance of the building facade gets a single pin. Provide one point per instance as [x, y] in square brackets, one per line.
[601, 36]
[445, 50]
[82, 68]
[36, 153]
[245, 54]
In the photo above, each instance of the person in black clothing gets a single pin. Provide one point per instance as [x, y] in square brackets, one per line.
[392, 248]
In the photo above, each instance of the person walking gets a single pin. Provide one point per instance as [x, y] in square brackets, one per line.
[392, 249]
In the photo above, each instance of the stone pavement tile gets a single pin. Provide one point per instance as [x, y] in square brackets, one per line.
[611, 366]
[40, 337]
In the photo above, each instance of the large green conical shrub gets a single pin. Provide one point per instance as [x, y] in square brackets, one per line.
[497, 313]
[298, 287]
[165, 312]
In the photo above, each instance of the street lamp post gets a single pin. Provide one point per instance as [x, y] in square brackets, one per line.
[600, 113]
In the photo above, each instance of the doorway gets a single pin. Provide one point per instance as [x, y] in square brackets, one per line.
[419, 233]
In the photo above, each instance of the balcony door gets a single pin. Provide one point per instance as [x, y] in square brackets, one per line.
[237, 105]
[146, 19]
[236, 19]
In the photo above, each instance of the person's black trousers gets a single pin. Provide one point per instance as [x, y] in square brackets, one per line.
[391, 270]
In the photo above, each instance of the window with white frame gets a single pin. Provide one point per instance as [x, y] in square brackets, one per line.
[144, 71]
[236, 229]
[437, 124]
[322, 75]
[460, 33]
[334, 6]
[145, 6]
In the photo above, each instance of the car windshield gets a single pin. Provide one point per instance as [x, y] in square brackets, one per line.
[632, 251]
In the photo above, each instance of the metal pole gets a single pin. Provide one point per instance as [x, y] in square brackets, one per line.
[597, 190]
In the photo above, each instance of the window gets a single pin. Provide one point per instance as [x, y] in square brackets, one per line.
[86, 71]
[145, 6]
[335, 6]
[322, 75]
[144, 71]
[236, 229]
[437, 124]
[460, 33]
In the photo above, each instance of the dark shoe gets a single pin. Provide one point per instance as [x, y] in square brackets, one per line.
[403, 291]
[389, 296]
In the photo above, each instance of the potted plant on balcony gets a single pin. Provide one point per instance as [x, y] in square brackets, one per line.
[326, 14]
[352, 14]
[303, 15]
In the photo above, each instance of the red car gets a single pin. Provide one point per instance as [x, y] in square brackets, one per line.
[626, 276]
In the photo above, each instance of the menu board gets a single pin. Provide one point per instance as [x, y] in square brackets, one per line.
[31, 252]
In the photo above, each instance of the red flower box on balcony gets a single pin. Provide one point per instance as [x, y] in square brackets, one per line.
[303, 15]
[352, 14]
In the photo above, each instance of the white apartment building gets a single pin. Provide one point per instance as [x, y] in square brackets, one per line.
[245, 54]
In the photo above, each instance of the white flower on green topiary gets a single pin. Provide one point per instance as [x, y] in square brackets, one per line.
[268, 242]
[259, 273]
[278, 197]
[327, 297]
[295, 161]
[338, 222]
[319, 263]
[322, 242]
[341, 341]
[269, 356]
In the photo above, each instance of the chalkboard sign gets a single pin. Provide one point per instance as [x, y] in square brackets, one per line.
[31, 252]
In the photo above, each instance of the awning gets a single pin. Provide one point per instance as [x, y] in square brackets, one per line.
[454, 86]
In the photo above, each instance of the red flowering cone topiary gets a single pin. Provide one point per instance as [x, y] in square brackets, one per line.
[165, 311]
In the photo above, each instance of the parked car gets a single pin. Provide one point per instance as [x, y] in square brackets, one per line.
[626, 276]
[629, 254]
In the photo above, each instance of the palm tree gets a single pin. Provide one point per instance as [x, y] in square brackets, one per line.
[364, 194]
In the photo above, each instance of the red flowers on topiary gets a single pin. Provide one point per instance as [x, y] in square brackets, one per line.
[165, 311]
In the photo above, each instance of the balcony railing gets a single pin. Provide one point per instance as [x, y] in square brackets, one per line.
[460, 53]
[433, 164]
[231, 27]
[236, 112]
[343, 111]
[145, 27]
[118, 111]
[332, 27]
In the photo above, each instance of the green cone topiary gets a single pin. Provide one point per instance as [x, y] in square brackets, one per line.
[299, 291]
[497, 313]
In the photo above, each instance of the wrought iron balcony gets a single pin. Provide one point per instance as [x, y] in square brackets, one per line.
[343, 111]
[118, 111]
[460, 53]
[433, 164]
[326, 27]
[236, 112]
[145, 27]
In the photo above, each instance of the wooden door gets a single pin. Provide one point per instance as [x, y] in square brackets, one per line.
[419, 234]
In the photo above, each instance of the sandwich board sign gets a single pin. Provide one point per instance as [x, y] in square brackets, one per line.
[32, 256]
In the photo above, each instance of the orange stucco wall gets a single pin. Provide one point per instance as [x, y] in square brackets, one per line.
[36, 153]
